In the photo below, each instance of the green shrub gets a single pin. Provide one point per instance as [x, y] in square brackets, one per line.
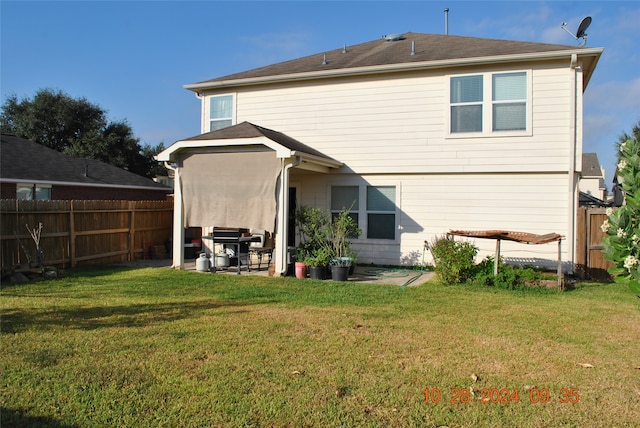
[508, 278]
[454, 260]
[622, 227]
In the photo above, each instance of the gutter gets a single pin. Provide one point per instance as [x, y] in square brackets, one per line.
[282, 247]
[76, 184]
[573, 181]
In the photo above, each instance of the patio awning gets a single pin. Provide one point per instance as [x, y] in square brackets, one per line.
[230, 189]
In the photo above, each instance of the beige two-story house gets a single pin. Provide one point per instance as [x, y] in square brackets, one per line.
[419, 134]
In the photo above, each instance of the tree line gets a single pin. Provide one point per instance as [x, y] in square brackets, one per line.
[79, 128]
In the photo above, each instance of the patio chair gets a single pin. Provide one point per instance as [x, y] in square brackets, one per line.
[261, 248]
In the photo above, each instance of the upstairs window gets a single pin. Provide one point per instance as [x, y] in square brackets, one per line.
[466, 104]
[486, 103]
[510, 102]
[220, 112]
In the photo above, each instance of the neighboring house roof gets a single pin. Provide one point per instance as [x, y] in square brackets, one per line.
[248, 133]
[591, 165]
[431, 51]
[591, 168]
[26, 161]
[592, 201]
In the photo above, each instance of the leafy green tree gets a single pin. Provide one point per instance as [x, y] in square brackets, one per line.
[622, 226]
[78, 128]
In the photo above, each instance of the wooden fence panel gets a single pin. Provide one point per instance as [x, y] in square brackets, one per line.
[590, 260]
[81, 232]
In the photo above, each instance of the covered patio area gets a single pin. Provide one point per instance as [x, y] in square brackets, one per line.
[237, 177]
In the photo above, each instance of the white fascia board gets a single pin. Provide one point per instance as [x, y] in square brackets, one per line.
[378, 69]
[167, 155]
[317, 160]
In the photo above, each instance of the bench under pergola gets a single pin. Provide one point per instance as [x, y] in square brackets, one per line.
[522, 237]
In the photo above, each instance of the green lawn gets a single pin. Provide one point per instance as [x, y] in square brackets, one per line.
[122, 347]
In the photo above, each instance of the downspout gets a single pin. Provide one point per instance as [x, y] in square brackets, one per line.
[573, 179]
[200, 97]
[178, 220]
[282, 238]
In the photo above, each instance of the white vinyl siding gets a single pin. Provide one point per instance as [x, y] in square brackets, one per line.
[429, 205]
[402, 124]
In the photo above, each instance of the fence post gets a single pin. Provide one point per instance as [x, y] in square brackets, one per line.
[132, 230]
[72, 236]
[582, 239]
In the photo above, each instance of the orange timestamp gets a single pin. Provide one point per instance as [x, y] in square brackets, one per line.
[502, 395]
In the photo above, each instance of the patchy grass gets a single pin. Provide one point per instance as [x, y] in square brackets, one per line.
[155, 347]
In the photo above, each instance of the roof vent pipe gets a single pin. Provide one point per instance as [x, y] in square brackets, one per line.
[324, 59]
[344, 50]
[413, 47]
[446, 20]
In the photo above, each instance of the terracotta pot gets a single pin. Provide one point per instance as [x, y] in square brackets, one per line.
[301, 270]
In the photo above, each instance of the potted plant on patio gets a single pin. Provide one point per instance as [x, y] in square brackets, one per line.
[313, 247]
[342, 228]
[318, 262]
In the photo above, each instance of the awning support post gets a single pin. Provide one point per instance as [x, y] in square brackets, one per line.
[560, 264]
[497, 258]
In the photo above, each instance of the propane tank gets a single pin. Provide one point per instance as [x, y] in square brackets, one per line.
[202, 263]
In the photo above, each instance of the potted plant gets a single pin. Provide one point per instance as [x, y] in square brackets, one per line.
[318, 261]
[311, 225]
[342, 228]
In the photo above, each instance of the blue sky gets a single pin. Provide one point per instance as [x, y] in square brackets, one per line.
[133, 57]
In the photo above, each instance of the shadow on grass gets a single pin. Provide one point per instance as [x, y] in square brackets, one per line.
[17, 418]
[90, 318]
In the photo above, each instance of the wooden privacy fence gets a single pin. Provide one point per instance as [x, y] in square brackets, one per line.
[590, 262]
[83, 232]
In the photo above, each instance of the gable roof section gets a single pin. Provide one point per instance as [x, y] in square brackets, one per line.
[431, 51]
[591, 165]
[248, 134]
[27, 161]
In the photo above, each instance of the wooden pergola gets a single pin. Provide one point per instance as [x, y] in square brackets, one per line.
[522, 237]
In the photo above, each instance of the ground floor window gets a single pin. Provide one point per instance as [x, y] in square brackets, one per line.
[381, 212]
[377, 205]
[30, 192]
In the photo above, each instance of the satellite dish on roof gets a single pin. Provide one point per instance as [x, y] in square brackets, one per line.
[582, 28]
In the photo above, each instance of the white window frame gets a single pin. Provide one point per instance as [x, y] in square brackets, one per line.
[207, 116]
[363, 213]
[488, 104]
[34, 190]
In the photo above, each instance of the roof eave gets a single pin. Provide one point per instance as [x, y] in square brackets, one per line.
[82, 184]
[398, 67]
[170, 154]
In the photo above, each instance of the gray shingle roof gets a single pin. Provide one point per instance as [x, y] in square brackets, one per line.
[22, 159]
[428, 48]
[591, 165]
[249, 130]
